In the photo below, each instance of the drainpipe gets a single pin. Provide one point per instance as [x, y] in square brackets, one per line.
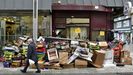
[35, 19]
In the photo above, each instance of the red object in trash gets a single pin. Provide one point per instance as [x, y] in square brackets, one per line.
[116, 48]
[1, 59]
[120, 46]
[41, 50]
[117, 52]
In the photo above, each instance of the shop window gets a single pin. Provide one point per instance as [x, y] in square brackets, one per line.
[16, 26]
[78, 32]
[96, 35]
[126, 23]
[118, 24]
[62, 33]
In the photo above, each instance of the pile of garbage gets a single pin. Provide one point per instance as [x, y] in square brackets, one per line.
[58, 53]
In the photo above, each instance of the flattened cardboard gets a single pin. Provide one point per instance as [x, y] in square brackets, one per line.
[63, 57]
[52, 55]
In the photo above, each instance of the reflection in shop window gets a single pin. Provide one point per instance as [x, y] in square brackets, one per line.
[22, 25]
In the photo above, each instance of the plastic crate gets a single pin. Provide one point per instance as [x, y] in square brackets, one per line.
[6, 64]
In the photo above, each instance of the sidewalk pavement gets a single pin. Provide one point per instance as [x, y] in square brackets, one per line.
[126, 70]
[128, 47]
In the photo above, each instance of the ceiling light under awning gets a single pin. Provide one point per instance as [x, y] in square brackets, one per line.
[96, 7]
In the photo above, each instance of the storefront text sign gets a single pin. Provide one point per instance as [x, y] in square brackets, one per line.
[77, 30]
[102, 33]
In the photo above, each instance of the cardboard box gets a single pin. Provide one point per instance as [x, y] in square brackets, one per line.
[23, 62]
[16, 63]
[41, 66]
[71, 65]
[125, 53]
[52, 55]
[98, 58]
[63, 57]
[103, 44]
[6, 64]
[80, 63]
[126, 60]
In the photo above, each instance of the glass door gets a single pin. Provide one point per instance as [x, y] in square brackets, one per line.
[78, 32]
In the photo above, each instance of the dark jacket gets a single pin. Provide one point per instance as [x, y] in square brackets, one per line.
[31, 54]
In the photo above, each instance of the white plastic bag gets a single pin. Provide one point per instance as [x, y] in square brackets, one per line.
[109, 58]
[31, 62]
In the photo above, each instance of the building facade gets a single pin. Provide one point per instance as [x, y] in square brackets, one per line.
[94, 18]
[122, 28]
[81, 22]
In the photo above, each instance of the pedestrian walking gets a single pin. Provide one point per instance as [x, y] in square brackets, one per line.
[97, 41]
[128, 40]
[31, 54]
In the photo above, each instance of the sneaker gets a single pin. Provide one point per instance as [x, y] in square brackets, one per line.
[23, 71]
[38, 71]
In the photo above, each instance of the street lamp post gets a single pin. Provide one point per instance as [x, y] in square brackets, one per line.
[35, 19]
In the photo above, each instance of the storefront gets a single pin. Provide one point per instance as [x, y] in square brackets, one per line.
[14, 26]
[16, 19]
[122, 28]
[82, 22]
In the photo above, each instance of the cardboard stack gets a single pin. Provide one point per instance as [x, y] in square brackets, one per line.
[125, 57]
[52, 66]
[71, 65]
[82, 55]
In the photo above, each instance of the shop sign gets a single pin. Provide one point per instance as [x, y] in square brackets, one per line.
[131, 19]
[102, 33]
[77, 30]
[77, 20]
[127, 8]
